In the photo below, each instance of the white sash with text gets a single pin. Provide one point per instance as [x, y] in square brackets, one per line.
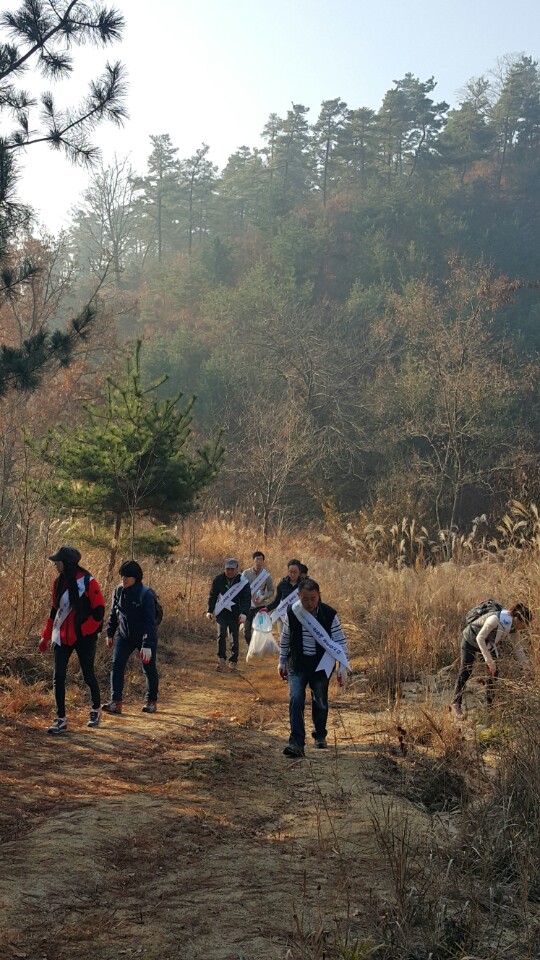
[333, 650]
[63, 611]
[282, 608]
[225, 600]
[258, 582]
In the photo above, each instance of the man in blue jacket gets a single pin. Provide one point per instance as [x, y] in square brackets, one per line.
[133, 615]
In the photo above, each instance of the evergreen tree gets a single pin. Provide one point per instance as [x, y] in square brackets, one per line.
[42, 35]
[197, 177]
[159, 194]
[330, 124]
[131, 457]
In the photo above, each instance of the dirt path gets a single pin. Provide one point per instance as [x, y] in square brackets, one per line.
[187, 834]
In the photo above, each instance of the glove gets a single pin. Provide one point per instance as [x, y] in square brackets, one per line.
[209, 616]
[342, 677]
[282, 669]
[492, 667]
[146, 654]
[110, 641]
[242, 618]
[43, 645]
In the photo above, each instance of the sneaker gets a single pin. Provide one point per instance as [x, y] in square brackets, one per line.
[321, 744]
[95, 717]
[59, 726]
[233, 666]
[221, 664]
[456, 711]
[150, 706]
[114, 706]
[293, 750]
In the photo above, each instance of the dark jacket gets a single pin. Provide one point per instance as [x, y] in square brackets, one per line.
[302, 664]
[241, 602]
[284, 589]
[133, 614]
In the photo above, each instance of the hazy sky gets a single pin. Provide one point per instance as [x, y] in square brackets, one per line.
[213, 70]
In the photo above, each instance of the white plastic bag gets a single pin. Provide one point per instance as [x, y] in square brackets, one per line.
[262, 644]
[262, 622]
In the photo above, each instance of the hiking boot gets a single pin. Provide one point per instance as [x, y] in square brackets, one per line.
[149, 707]
[233, 666]
[59, 726]
[456, 711]
[221, 664]
[321, 743]
[95, 717]
[113, 706]
[293, 750]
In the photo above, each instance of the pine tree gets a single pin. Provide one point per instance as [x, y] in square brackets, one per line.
[131, 457]
[43, 33]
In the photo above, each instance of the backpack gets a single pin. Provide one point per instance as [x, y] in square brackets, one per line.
[482, 610]
[159, 608]
[145, 589]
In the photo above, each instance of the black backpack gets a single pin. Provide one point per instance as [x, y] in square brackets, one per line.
[145, 589]
[482, 610]
[159, 608]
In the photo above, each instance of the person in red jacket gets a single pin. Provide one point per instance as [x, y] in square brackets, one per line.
[74, 622]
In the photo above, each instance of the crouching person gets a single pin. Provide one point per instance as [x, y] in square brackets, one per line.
[312, 643]
[133, 620]
[481, 637]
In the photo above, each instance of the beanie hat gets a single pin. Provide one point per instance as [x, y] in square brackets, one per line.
[131, 569]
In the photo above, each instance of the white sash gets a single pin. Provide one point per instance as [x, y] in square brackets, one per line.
[225, 600]
[258, 582]
[333, 650]
[63, 611]
[282, 608]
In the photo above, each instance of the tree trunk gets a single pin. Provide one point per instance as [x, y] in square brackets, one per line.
[114, 545]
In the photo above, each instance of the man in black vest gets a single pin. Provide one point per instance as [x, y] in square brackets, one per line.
[306, 661]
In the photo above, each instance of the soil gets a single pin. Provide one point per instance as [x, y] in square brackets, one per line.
[187, 834]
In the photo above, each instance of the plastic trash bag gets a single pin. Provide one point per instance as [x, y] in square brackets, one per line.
[262, 622]
[262, 644]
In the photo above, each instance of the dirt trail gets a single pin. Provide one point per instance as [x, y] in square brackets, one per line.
[187, 834]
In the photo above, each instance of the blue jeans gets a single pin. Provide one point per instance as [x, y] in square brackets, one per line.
[121, 653]
[318, 685]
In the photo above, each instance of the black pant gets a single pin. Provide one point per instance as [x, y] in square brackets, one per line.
[86, 652]
[248, 626]
[468, 656]
[226, 623]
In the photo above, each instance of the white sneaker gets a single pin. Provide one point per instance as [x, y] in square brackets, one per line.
[59, 726]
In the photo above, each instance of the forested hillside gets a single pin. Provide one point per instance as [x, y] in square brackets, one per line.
[354, 303]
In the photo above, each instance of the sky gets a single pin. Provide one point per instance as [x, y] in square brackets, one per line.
[212, 71]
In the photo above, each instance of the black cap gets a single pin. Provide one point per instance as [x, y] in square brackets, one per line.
[130, 568]
[66, 555]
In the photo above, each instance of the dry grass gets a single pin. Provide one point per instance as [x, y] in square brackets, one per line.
[467, 882]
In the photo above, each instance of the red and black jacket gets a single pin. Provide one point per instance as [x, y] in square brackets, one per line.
[85, 619]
